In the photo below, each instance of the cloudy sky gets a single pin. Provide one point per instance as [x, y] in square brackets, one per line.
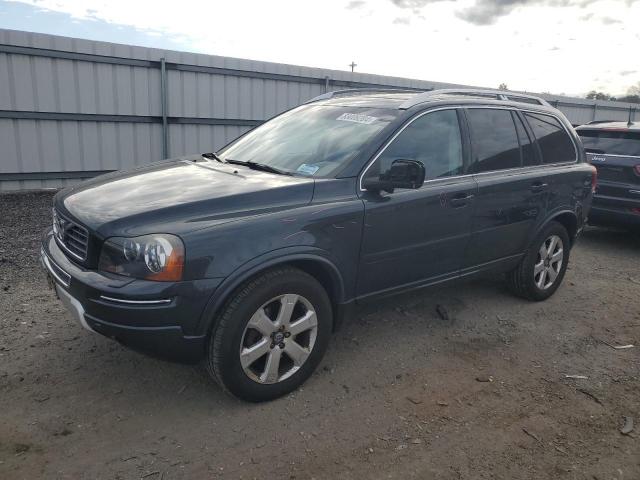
[557, 46]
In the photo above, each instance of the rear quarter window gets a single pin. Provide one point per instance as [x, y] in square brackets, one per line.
[555, 143]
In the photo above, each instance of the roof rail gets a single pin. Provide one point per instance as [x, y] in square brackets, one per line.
[496, 94]
[352, 91]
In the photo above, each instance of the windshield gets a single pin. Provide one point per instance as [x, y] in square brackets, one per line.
[611, 142]
[311, 140]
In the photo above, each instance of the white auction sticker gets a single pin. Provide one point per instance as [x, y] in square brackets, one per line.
[356, 118]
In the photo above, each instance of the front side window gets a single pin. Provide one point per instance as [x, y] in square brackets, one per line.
[432, 139]
[613, 142]
[494, 141]
[311, 140]
[555, 144]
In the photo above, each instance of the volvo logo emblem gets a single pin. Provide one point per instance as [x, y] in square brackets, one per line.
[58, 226]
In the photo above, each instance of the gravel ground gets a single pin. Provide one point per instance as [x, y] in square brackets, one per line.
[402, 393]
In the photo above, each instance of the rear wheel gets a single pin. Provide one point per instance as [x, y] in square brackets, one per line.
[271, 336]
[542, 269]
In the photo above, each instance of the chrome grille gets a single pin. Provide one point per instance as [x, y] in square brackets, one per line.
[72, 237]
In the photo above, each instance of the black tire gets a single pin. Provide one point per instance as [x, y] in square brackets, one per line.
[523, 282]
[223, 353]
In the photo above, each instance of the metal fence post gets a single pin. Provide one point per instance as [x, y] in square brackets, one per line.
[595, 110]
[326, 84]
[163, 100]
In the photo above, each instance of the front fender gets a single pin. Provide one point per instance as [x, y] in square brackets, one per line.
[264, 262]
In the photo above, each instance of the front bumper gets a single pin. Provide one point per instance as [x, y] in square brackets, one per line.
[158, 318]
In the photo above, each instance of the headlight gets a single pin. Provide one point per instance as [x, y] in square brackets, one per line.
[150, 257]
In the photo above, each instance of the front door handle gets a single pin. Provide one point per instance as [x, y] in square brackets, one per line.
[538, 187]
[460, 200]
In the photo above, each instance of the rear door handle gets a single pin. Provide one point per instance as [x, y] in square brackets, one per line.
[460, 200]
[538, 187]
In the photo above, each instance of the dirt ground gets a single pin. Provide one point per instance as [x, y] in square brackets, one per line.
[402, 393]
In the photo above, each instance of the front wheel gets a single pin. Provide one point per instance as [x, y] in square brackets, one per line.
[542, 269]
[271, 336]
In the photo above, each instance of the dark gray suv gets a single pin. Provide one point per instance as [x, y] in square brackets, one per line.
[250, 257]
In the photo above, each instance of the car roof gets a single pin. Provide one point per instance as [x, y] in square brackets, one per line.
[610, 125]
[405, 99]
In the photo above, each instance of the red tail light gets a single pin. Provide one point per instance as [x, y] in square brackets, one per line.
[637, 169]
[594, 178]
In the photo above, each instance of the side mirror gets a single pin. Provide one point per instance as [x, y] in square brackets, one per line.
[401, 174]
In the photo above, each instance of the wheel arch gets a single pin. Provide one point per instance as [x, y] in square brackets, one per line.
[316, 264]
[568, 219]
[521, 279]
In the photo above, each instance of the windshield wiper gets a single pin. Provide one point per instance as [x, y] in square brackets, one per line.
[258, 166]
[213, 155]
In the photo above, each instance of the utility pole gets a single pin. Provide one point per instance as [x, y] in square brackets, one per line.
[353, 65]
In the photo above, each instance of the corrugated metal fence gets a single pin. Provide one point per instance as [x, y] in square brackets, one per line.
[71, 108]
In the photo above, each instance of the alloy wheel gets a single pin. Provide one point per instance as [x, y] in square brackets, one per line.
[549, 262]
[278, 339]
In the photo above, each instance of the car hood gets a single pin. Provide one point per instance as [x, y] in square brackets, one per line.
[179, 195]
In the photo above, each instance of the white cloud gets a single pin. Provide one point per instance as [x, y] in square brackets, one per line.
[543, 45]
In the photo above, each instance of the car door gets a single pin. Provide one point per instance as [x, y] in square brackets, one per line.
[557, 151]
[512, 188]
[418, 236]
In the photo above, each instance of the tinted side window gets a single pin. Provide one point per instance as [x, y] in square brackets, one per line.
[433, 139]
[494, 141]
[528, 153]
[555, 144]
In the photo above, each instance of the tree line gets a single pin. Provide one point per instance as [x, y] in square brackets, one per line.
[632, 96]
